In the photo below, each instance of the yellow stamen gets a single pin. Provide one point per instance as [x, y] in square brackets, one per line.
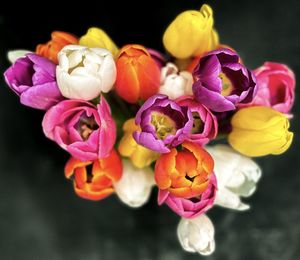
[227, 85]
[163, 124]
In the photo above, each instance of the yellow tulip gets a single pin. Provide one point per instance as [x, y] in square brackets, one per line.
[138, 154]
[96, 37]
[259, 131]
[191, 33]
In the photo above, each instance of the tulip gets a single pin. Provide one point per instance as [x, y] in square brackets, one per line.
[163, 124]
[138, 74]
[197, 235]
[33, 79]
[97, 182]
[222, 82]
[139, 155]
[185, 174]
[191, 207]
[58, 41]
[191, 33]
[14, 55]
[237, 176]
[97, 38]
[276, 87]
[259, 131]
[205, 124]
[85, 131]
[83, 73]
[175, 84]
[135, 185]
[195, 61]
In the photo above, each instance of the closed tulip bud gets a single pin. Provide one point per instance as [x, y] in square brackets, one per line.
[259, 131]
[175, 84]
[197, 235]
[97, 38]
[83, 73]
[237, 176]
[191, 33]
[58, 40]
[138, 74]
[135, 185]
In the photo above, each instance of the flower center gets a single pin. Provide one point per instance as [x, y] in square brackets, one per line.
[86, 127]
[163, 124]
[227, 85]
[197, 124]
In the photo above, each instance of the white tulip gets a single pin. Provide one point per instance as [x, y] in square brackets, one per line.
[83, 73]
[197, 235]
[174, 84]
[16, 54]
[237, 176]
[135, 185]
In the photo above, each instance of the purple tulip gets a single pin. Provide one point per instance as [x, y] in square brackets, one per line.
[193, 207]
[163, 124]
[85, 131]
[222, 82]
[33, 79]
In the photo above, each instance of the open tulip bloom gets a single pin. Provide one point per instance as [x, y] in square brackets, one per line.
[133, 118]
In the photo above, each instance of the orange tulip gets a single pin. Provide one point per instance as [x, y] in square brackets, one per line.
[185, 173]
[138, 76]
[94, 183]
[52, 48]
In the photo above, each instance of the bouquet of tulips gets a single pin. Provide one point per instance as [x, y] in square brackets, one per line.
[186, 122]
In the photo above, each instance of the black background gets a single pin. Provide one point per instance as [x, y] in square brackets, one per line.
[41, 218]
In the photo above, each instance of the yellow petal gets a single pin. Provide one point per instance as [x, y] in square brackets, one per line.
[259, 131]
[191, 33]
[140, 156]
[96, 37]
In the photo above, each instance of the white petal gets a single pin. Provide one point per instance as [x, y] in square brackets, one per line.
[228, 199]
[188, 90]
[16, 54]
[197, 235]
[169, 69]
[75, 58]
[108, 73]
[84, 73]
[135, 185]
[234, 171]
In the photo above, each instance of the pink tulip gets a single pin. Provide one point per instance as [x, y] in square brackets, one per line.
[276, 87]
[87, 132]
[205, 124]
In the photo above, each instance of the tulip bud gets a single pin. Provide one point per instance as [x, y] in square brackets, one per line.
[237, 176]
[58, 40]
[96, 37]
[138, 74]
[175, 84]
[83, 73]
[135, 185]
[191, 33]
[197, 235]
[259, 131]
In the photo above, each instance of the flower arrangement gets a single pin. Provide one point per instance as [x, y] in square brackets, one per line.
[133, 118]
